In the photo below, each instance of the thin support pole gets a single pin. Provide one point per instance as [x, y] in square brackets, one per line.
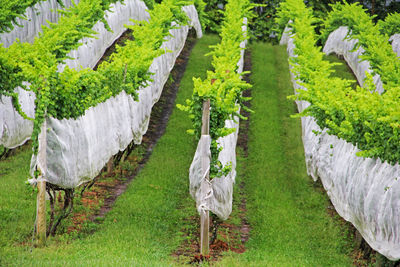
[41, 186]
[205, 216]
[41, 213]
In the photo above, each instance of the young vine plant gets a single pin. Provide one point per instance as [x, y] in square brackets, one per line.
[223, 86]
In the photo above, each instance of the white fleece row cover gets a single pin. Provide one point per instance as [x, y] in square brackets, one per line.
[77, 149]
[395, 39]
[364, 191]
[216, 195]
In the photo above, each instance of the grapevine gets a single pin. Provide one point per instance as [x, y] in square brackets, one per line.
[223, 86]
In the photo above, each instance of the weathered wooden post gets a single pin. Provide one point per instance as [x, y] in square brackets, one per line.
[205, 217]
[110, 165]
[41, 186]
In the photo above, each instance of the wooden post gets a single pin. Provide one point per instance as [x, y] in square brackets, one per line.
[110, 165]
[41, 186]
[205, 216]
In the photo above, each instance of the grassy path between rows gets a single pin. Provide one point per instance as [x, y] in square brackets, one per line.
[17, 203]
[286, 211]
[143, 227]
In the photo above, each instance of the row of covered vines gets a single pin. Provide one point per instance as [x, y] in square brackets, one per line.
[363, 117]
[342, 124]
[215, 112]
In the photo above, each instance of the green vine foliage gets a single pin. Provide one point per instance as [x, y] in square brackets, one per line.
[390, 25]
[70, 93]
[36, 63]
[263, 26]
[360, 116]
[215, 13]
[201, 10]
[223, 86]
[214, 10]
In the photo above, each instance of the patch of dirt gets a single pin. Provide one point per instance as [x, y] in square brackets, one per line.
[232, 234]
[224, 236]
[245, 124]
[243, 143]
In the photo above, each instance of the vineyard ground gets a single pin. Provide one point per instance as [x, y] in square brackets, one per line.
[287, 213]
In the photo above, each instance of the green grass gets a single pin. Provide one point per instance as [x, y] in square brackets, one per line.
[17, 203]
[287, 213]
[143, 228]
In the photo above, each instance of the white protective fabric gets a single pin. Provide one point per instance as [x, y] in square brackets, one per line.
[218, 197]
[197, 174]
[77, 149]
[92, 50]
[364, 191]
[395, 39]
[286, 34]
[15, 130]
[336, 43]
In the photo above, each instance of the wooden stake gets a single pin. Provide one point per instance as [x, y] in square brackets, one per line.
[205, 126]
[41, 186]
[41, 214]
[110, 165]
[205, 216]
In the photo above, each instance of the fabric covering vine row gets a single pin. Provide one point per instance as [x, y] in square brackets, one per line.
[364, 191]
